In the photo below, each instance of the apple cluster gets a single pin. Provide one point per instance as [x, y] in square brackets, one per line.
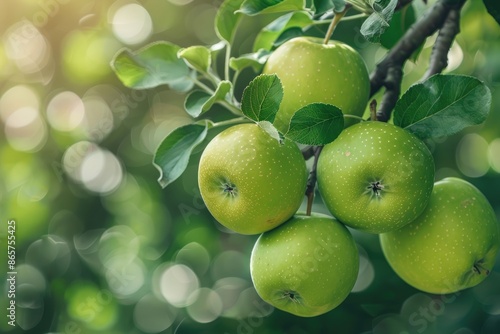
[252, 184]
[375, 177]
[438, 237]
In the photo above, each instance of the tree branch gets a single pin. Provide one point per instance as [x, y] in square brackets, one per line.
[373, 110]
[402, 3]
[308, 152]
[446, 36]
[311, 182]
[389, 72]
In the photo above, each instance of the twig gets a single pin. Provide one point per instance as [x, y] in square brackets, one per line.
[231, 121]
[308, 152]
[226, 61]
[389, 72]
[393, 89]
[335, 21]
[311, 182]
[446, 36]
[345, 18]
[373, 110]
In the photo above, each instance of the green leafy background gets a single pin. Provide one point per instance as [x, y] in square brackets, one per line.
[100, 243]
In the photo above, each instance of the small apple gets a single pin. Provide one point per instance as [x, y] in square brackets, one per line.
[375, 177]
[306, 266]
[311, 71]
[249, 182]
[451, 246]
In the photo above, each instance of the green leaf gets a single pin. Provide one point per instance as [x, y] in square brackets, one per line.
[271, 130]
[172, 156]
[362, 6]
[256, 60]
[154, 65]
[254, 7]
[262, 97]
[266, 37]
[217, 47]
[322, 6]
[443, 105]
[401, 21]
[197, 57]
[375, 25]
[493, 7]
[316, 124]
[287, 35]
[223, 88]
[184, 84]
[198, 102]
[195, 101]
[338, 5]
[226, 19]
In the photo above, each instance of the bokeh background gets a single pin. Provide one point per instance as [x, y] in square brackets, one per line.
[101, 248]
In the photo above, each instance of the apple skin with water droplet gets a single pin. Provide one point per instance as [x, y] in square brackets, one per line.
[250, 182]
[375, 177]
[307, 266]
[311, 71]
[450, 247]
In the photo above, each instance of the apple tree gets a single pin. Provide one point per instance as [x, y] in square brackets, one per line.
[303, 122]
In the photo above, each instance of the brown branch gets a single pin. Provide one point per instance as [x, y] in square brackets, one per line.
[311, 182]
[308, 152]
[389, 72]
[392, 84]
[446, 36]
[373, 110]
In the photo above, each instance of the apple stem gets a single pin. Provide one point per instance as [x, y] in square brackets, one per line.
[311, 182]
[335, 21]
[310, 198]
[373, 110]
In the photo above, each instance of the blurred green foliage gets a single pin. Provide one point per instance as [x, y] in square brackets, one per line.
[101, 248]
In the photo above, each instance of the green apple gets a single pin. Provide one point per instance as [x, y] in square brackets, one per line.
[306, 266]
[249, 182]
[311, 71]
[375, 177]
[451, 246]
